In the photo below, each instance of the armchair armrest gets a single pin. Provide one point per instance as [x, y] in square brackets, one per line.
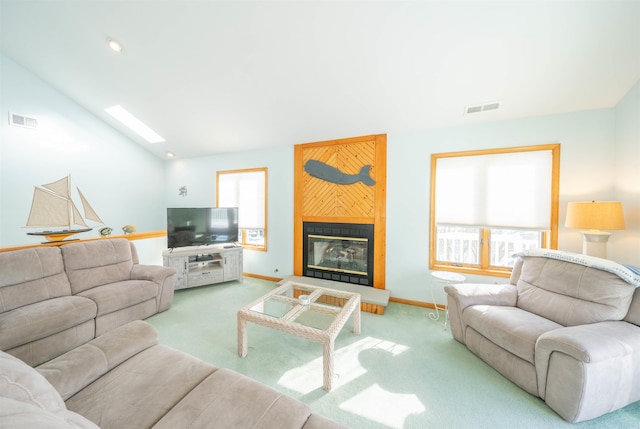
[461, 296]
[164, 277]
[588, 370]
[467, 294]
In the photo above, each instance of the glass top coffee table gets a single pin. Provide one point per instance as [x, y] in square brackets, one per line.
[315, 313]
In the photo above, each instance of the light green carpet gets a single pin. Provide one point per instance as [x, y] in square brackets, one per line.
[403, 371]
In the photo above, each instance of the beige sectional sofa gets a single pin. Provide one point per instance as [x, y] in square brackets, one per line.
[125, 379]
[566, 329]
[75, 355]
[53, 299]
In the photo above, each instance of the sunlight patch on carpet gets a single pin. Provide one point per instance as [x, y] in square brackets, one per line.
[387, 408]
[347, 366]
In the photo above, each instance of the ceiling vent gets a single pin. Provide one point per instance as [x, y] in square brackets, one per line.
[482, 108]
[22, 121]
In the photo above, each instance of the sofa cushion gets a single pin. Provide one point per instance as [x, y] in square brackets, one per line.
[511, 328]
[572, 294]
[96, 263]
[42, 319]
[76, 369]
[139, 391]
[219, 397]
[31, 275]
[27, 400]
[116, 296]
[42, 350]
[20, 382]
[21, 415]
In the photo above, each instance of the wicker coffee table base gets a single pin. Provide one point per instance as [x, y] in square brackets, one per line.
[326, 337]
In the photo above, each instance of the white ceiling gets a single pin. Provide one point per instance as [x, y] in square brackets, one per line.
[213, 76]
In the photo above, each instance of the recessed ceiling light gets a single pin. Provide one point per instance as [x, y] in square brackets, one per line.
[171, 154]
[115, 45]
[134, 124]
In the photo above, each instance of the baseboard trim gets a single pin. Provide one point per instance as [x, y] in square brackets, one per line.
[261, 277]
[417, 303]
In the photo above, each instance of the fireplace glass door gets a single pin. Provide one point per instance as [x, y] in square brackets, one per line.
[339, 252]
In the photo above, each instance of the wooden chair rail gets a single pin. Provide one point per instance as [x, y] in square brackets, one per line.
[132, 236]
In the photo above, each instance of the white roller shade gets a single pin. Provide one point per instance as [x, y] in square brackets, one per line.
[511, 190]
[245, 190]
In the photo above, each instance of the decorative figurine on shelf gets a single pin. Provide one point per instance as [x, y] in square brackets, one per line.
[50, 207]
[128, 229]
[105, 232]
[182, 191]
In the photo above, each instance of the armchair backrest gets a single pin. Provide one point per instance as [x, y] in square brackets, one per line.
[633, 315]
[568, 293]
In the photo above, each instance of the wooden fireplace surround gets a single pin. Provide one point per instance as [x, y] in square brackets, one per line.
[318, 200]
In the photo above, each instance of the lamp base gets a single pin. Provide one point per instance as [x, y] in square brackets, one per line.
[594, 243]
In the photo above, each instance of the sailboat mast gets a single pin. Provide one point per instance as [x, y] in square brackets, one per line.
[69, 203]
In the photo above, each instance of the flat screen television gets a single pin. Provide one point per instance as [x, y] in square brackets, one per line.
[200, 226]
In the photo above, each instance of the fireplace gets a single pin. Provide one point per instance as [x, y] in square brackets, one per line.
[338, 251]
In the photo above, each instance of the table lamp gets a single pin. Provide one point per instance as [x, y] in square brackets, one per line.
[595, 216]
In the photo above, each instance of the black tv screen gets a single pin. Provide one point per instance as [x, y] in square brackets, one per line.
[199, 226]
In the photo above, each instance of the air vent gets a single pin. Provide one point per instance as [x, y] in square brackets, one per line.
[482, 108]
[22, 121]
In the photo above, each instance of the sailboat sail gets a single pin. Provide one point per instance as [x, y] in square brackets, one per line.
[61, 187]
[89, 213]
[77, 217]
[52, 206]
[48, 209]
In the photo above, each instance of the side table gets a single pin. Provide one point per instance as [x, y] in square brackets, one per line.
[445, 277]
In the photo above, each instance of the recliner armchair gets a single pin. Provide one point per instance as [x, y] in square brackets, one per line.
[566, 329]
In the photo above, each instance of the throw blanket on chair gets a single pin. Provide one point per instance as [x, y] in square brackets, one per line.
[627, 273]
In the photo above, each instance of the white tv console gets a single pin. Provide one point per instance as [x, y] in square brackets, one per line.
[204, 265]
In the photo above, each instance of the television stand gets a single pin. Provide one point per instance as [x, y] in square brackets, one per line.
[204, 265]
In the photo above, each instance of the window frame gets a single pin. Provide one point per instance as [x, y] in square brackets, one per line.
[549, 238]
[243, 231]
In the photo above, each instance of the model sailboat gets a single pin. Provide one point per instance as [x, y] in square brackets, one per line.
[52, 206]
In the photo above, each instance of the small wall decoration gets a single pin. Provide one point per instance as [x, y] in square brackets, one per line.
[331, 174]
[52, 206]
[128, 229]
[105, 232]
[182, 191]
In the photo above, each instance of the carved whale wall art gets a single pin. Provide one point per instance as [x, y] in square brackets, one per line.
[331, 174]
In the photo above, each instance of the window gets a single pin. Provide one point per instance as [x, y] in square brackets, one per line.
[247, 190]
[487, 205]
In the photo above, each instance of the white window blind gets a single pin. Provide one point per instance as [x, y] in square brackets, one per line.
[245, 190]
[511, 190]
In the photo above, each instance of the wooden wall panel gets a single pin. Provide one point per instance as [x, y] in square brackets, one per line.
[316, 200]
[324, 199]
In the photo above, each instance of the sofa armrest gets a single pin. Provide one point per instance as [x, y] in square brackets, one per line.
[461, 296]
[71, 372]
[164, 277]
[588, 370]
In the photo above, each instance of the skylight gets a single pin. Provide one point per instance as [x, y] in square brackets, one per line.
[134, 124]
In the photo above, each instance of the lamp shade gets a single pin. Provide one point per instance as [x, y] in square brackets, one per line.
[595, 215]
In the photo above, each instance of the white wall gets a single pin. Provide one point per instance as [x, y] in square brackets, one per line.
[199, 176]
[586, 171]
[123, 182]
[624, 246]
[126, 184]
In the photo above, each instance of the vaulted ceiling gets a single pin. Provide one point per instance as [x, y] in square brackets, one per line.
[216, 76]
